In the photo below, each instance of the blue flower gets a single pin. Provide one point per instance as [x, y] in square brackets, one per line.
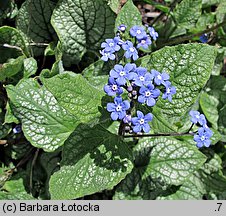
[17, 129]
[203, 38]
[111, 45]
[112, 88]
[159, 78]
[118, 108]
[122, 27]
[141, 122]
[121, 74]
[170, 90]
[203, 137]
[142, 77]
[144, 42]
[130, 50]
[148, 94]
[138, 32]
[196, 117]
[153, 33]
[107, 55]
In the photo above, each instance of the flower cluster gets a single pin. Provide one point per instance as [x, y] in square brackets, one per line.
[142, 86]
[141, 35]
[202, 138]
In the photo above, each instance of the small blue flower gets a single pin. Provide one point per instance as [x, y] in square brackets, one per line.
[203, 38]
[118, 108]
[107, 55]
[121, 74]
[111, 45]
[170, 90]
[159, 78]
[148, 94]
[142, 77]
[141, 122]
[17, 129]
[153, 33]
[203, 137]
[112, 88]
[130, 50]
[196, 117]
[144, 42]
[122, 28]
[138, 32]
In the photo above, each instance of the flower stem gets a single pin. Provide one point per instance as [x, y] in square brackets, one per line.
[189, 37]
[158, 135]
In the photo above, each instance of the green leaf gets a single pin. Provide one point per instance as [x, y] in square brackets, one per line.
[209, 106]
[44, 122]
[208, 3]
[30, 67]
[216, 90]
[189, 67]
[93, 160]
[12, 67]
[82, 26]
[208, 179]
[133, 187]
[8, 10]
[159, 6]
[129, 16]
[221, 11]
[50, 164]
[187, 12]
[98, 68]
[9, 117]
[115, 5]
[14, 190]
[4, 128]
[12, 44]
[34, 21]
[172, 161]
[76, 95]
[204, 21]
[50, 49]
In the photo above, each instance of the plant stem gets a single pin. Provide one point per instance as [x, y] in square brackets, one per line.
[189, 37]
[158, 135]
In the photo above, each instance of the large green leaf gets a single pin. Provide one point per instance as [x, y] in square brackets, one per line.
[189, 67]
[208, 179]
[129, 16]
[12, 44]
[93, 160]
[34, 21]
[187, 13]
[44, 122]
[82, 25]
[76, 95]
[170, 160]
[133, 187]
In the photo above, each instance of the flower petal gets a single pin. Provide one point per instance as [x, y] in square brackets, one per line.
[146, 128]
